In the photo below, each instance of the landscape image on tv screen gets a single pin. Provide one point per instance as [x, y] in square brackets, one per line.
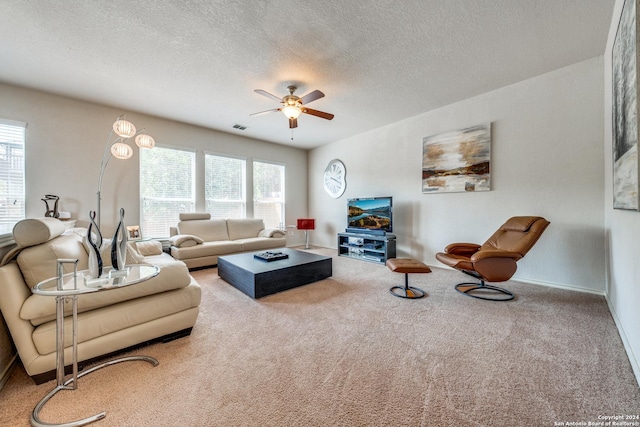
[374, 213]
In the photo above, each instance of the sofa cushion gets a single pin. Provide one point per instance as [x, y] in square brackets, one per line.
[159, 260]
[98, 323]
[209, 230]
[244, 228]
[260, 243]
[39, 309]
[33, 231]
[207, 249]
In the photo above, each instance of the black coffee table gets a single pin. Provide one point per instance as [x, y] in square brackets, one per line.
[258, 278]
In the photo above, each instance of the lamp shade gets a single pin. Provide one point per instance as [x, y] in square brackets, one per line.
[306, 224]
[145, 141]
[120, 150]
[124, 128]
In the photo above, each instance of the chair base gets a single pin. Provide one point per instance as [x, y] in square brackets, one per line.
[408, 292]
[495, 293]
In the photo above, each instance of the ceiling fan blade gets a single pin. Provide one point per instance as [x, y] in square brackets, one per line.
[311, 96]
[293, 123]
[317, 113]
[268, 95]
[265, 112]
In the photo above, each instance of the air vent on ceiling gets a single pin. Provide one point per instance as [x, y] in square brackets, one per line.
[239, 127]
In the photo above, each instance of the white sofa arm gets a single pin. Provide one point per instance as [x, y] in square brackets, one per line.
[14, 293]
[185, 240]
[271, 232]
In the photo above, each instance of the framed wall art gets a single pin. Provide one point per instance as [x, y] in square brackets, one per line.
[134, 232]
[625, 110]
[457, 161]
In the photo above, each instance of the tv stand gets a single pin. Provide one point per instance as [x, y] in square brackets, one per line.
[367, 247]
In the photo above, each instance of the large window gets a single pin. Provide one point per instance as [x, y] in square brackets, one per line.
[12, 206]
[268, 193]
[225, 186]
[167, 188]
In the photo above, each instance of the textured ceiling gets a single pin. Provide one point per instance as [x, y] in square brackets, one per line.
[377, 61]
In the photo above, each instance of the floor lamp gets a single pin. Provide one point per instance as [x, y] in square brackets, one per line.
[118, 148]
[306, 224]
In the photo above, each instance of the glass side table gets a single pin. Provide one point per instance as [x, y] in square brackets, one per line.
[67, 287]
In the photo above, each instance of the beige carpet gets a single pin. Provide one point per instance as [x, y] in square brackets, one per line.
[344, 352]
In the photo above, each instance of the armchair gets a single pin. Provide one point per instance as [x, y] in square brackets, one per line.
[496, 259]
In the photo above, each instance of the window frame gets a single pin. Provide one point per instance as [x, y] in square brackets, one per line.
[6, 239]
[194, 184]
[283, 202]
[245, 176]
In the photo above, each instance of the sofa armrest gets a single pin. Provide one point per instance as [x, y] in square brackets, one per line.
[185, 240]
[14, 293]
[464, 249]
[271, 232]
[494, 253]
[149, 247]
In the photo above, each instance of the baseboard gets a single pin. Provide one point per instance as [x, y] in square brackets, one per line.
[561, 286]
[635, 366]
[541, 283]
[8, 370]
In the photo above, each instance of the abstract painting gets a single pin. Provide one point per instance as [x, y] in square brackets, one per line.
[457, 161]
[625, 111]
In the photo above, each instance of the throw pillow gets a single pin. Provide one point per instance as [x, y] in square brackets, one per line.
[185, 240]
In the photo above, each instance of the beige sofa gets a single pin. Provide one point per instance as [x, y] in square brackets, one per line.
[198, 240]
[164, 307]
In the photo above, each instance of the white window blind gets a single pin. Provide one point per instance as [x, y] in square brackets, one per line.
[225, 186]
[167, 188]
[268, 193]
[12, 197]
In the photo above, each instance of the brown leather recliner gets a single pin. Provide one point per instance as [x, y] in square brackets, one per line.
[495, 260]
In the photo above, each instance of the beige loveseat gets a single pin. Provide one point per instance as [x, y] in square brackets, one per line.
[198, 240]
[163, 307]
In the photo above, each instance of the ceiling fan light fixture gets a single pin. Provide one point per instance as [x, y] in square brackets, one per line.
[292, 111]
[292, 106]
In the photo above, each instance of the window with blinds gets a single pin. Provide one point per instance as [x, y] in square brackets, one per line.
[268, 193]
[12, 178]
[225, 186]
[167, 188]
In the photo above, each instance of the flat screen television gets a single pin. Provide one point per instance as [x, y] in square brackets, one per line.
[374, 213]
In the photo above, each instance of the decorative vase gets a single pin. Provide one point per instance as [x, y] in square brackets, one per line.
[95, 260]
[119, 245]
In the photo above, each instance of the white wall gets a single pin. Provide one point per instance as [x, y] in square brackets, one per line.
[546, 160]
[622, 231]
[66, 139]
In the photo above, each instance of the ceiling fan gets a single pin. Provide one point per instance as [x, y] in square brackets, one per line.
[293, 106]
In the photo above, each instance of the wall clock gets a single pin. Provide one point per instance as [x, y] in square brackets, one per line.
[334, 178]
